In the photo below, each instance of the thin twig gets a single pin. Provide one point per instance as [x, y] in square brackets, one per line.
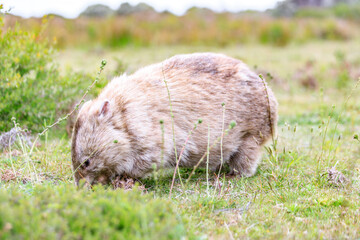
[227, 228]
[103, 63]
[181, 153]
[240, 210]
[172, 123]
[221, 147]
[269, 107]
[162, 143]
[207, 162]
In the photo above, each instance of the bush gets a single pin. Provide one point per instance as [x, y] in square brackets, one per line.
[311, 12]
[347, 11]
[196, 27]
[31, 87]
[276, 34]
[63, 212]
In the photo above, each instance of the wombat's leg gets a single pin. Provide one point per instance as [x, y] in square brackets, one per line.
[245, 161]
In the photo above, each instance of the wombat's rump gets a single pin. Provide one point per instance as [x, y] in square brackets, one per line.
[119, 133]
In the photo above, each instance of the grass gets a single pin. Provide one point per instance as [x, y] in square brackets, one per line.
[63, 212]
[290, 196]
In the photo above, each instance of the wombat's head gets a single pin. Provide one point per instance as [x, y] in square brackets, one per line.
[98, 147]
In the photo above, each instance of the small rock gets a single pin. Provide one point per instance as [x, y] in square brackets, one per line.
[336, 178]
[8, 138]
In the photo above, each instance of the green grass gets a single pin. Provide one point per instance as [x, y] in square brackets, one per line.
[290, 196]
[63, 212]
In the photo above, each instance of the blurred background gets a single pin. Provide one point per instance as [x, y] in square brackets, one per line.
[298, 45]
[205, 23]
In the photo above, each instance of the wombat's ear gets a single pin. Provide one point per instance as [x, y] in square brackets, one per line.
[104, 108]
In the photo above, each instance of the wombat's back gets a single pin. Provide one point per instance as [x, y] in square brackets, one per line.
[198, 85]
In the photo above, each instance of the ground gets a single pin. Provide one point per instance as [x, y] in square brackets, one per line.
[307, 186]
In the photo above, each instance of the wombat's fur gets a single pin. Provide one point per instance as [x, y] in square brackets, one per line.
[119, 132]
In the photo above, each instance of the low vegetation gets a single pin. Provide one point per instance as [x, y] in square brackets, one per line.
[200, 27]
[63, 212]
[32, 89]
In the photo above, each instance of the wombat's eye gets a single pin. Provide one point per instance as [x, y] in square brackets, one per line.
[86, 163]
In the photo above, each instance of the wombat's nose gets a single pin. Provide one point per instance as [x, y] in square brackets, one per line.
[103, 180]
[98, 180]
[89, 181]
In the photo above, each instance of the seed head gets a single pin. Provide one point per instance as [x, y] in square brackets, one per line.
[232, 124]
[154, 166]
[356, 136]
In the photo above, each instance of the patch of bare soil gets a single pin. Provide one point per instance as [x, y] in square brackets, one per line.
[8, 176]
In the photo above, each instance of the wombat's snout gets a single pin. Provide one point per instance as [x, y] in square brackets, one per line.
[91, 181]
[104, 180]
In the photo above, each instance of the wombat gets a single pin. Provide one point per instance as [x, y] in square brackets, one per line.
[133, 124]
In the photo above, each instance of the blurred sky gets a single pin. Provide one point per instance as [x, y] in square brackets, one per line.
[72, 8]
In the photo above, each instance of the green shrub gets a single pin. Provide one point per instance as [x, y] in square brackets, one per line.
[313, 13]
[31, 87]
[276, 34]
[63, 212]
[347, 11]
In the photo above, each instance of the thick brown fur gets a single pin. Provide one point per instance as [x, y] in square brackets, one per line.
[120, 134]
